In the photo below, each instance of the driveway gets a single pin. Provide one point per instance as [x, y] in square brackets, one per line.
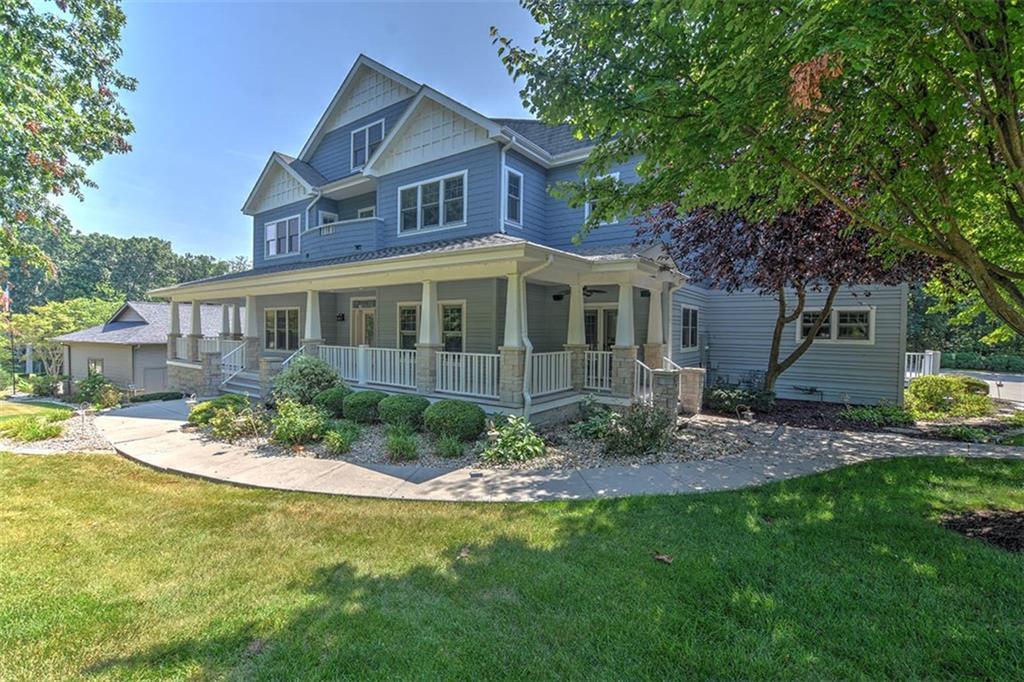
[1001, 385]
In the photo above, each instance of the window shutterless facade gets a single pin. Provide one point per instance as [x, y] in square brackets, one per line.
[408, 325]
[453, 317]
[281, 328]
[281, 237]
[433, 204]
[94, 366]
[689, 316]
[365, 141]
[513, 196]
[843, 325]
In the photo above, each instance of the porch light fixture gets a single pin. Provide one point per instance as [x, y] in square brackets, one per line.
[557, 297]
[340, 317]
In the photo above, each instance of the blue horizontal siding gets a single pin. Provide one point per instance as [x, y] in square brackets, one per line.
[333, 156]
[533, 225]
[260, 220]
[564, 222]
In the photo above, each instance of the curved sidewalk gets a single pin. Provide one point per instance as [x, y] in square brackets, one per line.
[150, 433]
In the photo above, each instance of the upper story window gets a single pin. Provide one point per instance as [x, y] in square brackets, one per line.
[513, 196]
[690, 327]
[326, 218]
[846, 325]
[591, 206]
[282, 237]
[366, 212]
[365, 141]
[439, 202]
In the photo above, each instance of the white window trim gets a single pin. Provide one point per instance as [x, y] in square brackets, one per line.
[90, 361]
[352, 142]
[298, 246]
[522, 195]
[682, 327]
[298, 332]
[586, 206]
[833, 322]
[321, 214]
[440, 320]
[352, 316]
[398, 321]
[600, 308]
[361, 213]
[419, 194]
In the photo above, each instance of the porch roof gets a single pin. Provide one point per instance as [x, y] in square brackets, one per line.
[482, 254]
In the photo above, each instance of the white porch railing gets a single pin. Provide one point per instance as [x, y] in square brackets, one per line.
[643, 384]
[232, 361]
[922, 364]
[288, 360]
[671, 364]
[181, 348]
[550, 372]
[392, 367]
[344, 360]
[209, 344]
[598, 374]
[474, 374]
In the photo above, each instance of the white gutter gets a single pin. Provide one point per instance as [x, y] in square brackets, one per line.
[527, 397]
[316, 197]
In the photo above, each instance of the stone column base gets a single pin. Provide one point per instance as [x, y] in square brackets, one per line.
[185, 378]
[252, 352]
[269, 368]
[654, 355]
[426, 366]
[172, 346]
[211, 373]
[691, 389]
[577, 364]
[511, 374]
[623, 371]
[665, 390]
[311, 346]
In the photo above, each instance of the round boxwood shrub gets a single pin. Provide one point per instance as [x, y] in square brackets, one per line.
[333, 399]
[939, 396]
[457, 418]
[362, 406]
[403, 410]
[304, 379]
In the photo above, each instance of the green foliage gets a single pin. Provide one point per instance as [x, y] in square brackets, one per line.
[150, 397]
[342, 435]
[403, 410]
[333, 399]
[942, 396]
[1016, 419]
[362, 406]
[729, 399]
[232, 423]
[296, 423]
[997, 362]
[44, 384]
[642, 430]
[449, 446]
[201, 413]
[597, 420]
[878, 415]
[304, 379]
[43, 323]
[30, 428]
[401, 443]
[514, 441]
[98, 391]
[967, 434]
[458, 418]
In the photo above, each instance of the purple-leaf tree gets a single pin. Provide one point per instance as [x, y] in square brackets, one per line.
[813, 249]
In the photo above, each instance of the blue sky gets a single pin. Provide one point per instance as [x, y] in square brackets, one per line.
[221, 85]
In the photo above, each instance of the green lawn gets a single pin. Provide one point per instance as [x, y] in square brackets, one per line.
[10, 410]
[108, 569]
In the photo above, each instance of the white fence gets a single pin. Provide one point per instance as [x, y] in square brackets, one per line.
[181, 348]
[550, 372]
[643, 383]
[344, 360]
[598, 374]
[392, 366]
[474, 374]
[923, 364]
[232, 359]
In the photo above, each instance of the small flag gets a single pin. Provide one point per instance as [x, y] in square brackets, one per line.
[5, 298]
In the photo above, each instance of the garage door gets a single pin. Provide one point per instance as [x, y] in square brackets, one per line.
[154, 379]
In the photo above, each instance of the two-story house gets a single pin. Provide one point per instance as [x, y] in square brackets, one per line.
[413, 244]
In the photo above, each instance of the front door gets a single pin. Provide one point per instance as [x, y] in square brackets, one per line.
[611, 319]
[599, 327]
[364, 323]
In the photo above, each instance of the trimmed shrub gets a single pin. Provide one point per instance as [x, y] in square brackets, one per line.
[333, 399]
[400, 443]
[341, 436]
[30, 428]
[296, 424]
[514, 441]
[304, 379]
[231, 424]
[98, 391]
[878, 415]
[403, 409]
[728, 399]
[642, 430]
[164, 395]
[202, 413]
[449, 447]
[458, 418]
[940, 396]
[361, 406]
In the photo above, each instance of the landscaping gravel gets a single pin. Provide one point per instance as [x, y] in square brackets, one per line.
[79, 435]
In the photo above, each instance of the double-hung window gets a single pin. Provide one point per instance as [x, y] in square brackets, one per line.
[848, 325]
[282, 237]
[408, 326]
[513, 196]
[452, 320]
[440, 202]
[95, 366]
[365, 141]
[281, 328]
[807, 321]
[690, 327]
[853, 325]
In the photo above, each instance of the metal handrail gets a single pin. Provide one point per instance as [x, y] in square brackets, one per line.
[288, 360]
[240, 348]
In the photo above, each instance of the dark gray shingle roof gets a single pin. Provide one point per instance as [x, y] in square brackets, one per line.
[307, 172]
[154, 329]
[554, 139]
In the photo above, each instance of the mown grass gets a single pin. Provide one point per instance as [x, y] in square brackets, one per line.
[112, 570]
[10, 409]
[31, 422]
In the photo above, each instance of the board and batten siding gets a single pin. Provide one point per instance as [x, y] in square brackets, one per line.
[739, 329]
[333, 156]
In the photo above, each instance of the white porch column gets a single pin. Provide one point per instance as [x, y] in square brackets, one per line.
[624, 350]
[624, 335]
[313, 336]
[195, 330]
[512, 370]
[225, 321]
[654, 348]
[252, 334]
[513, 313]
[576, 335]
[175, 333]
[236, 321]
[428, 343]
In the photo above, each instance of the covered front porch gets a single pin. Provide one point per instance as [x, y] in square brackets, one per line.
[522, 332]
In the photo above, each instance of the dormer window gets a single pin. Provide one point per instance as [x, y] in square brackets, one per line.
[282, 237]
[365, 141]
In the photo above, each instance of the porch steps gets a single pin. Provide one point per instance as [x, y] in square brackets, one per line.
[244, 383]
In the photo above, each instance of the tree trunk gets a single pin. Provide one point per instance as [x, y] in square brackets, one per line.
[777, 367]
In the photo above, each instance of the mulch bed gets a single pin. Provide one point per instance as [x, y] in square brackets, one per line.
[1000, 528]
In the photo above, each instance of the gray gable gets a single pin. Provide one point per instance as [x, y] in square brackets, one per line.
[305, 171]
[554, 139]
[144, 322]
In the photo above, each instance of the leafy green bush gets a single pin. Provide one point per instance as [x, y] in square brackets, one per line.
[88, 389]
[400, 443]
[596, 420]
[967, 434]
[998, 362]
[878, 415]
[231, 423]
[304, 379]
[296, 423]
[729, 399]
[30, 428]
[449, 447]
[940, 396]
[1016, 419]
[642, 430]
[514, 441]
[362, 406]
[342, 435]
[60, 415]
[164, 395]
[44, 384]
[201, 414]
[403, 409]
[333, 399]
[458, 418]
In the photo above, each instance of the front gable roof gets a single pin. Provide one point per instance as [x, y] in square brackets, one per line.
[284, 179]
[145, 322]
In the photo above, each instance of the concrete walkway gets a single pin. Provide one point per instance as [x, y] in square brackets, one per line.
[150, 433]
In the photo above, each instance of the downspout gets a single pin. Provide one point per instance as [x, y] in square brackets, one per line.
[528, 358]
[316, 197]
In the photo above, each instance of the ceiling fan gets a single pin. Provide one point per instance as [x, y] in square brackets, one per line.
[587, 292]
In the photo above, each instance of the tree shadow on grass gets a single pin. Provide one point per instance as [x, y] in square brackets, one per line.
[841, 575]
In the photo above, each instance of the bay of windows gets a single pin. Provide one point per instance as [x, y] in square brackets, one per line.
[433, 204]
[365, 141]
[282, 237]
